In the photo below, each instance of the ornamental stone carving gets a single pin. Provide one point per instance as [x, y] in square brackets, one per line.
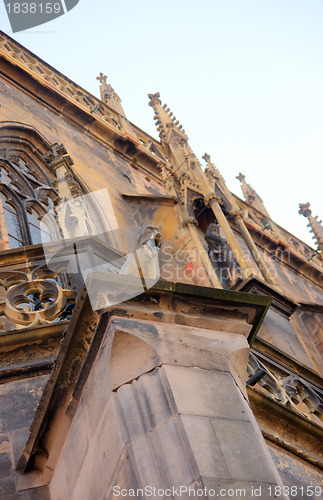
[289, 390]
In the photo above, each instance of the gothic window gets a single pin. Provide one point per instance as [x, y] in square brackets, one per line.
[25, 183]
[34, 226]
[12, 221]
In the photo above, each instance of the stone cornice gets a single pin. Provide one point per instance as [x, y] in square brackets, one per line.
[286, 428]
[70, 100]
[15, 338]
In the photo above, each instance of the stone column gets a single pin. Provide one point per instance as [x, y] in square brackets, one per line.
[252, 247]
[165, 407]
[212, 200]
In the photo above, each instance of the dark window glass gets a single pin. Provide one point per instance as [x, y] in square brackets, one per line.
[12, 223]
[37, 235]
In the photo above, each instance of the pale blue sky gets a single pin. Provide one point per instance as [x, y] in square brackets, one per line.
[244, 77]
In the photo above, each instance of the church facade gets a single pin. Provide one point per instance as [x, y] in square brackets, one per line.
[160, 336]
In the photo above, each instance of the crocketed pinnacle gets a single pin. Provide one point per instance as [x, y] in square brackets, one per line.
[251, 196]
[109, 96]
[166, 122]
[214, 174]
[314, 224]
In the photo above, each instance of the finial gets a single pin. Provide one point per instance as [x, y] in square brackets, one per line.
[207, 158]
[109, 96]
[251, 196]
[304, 209]
[102, 78]
[154, 99]
[241, 177]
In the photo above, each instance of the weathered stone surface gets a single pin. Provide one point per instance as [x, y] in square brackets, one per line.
[203, 392]
[72, 458]
[156, 394]
[146, 402]
[19, 439]
[130, 357]
[133, 416]
[173, 454]
[7, 488]
[101, 459]
[5, 457]
[41, 493]
[97, 391]
[145, 462]
[244, 451]
[296, 472]
[7, 483]
[124, 476]
[183, 345]
[18, 402]
[206, 451]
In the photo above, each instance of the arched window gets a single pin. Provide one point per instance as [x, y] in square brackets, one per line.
[13, 224]
[33, 224]
[37, 235]
[26, 184]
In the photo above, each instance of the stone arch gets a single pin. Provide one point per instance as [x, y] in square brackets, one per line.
[26, 178]
[130, 357]
[23, 141]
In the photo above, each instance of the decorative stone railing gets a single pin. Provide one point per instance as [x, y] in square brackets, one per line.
[51, 78]
[288, 389]
[32, 299]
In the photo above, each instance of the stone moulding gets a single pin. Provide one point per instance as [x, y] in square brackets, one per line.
[286, 428]
[288, 388]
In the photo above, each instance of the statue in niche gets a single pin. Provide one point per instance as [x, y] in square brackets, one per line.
[222, 256]
[74, 220]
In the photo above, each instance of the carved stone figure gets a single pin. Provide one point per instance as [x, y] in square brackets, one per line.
[74, 220]
[221, 256]
[144, 258]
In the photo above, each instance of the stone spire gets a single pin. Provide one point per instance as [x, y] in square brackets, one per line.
[214, 175]
[210, 185]
[109, 96]
[174, 140]
[165, 120]
[251, 196]
[314, 224]
[111, 99]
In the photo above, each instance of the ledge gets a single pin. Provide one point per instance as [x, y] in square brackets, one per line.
[16, 338]
[152, 197]
[308, 436]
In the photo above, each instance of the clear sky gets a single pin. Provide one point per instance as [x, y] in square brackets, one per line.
[244, 77]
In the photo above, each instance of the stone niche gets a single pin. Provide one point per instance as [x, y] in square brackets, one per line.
[159, 403]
